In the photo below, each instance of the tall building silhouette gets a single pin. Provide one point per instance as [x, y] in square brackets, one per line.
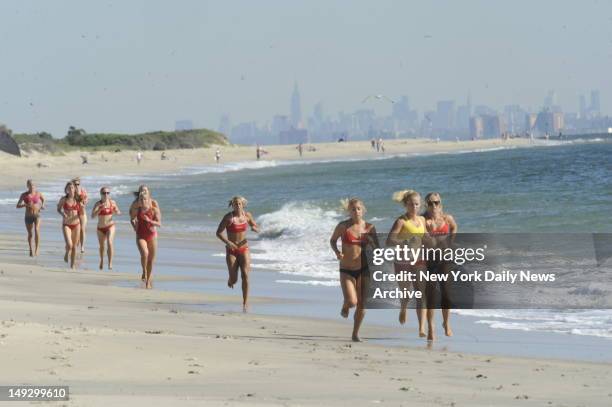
[296, 108]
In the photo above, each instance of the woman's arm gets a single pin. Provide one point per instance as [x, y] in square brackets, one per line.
[116, 208]
[333, 240]
[395, 229]
[252, 223]
[60, 207]
[372, 237]
[222, 226]
[20, 203]
[96, 209]
[42, 201]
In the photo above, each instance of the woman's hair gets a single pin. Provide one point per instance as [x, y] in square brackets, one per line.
[140, 189]
[66, 189]
[29, 182]
[404, 195]
[431, 195]
[238, 198]
[347, 203]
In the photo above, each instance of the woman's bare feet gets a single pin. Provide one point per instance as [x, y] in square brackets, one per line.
[422, 333]
[447, 329]
[344, 311]
[66, 257]
[31, 254]
[356, 338]
[142, 278]
[149, 284]
[431, 336]
[402, 316]
[101, 264]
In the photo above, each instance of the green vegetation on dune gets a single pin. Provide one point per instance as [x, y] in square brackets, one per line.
[78, 139]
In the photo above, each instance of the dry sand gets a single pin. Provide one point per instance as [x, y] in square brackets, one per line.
[15, 170]
[128, 346]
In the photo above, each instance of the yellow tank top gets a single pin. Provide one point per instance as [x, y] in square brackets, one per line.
[410, 230]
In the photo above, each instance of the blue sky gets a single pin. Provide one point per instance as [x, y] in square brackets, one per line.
[131, 66]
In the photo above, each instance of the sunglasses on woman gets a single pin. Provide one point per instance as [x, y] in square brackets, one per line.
[434, 203]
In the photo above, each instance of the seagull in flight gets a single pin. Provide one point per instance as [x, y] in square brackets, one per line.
[379, 97]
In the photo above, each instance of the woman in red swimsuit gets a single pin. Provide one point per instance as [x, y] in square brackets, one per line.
[237, 256]
[104, 209]
[441, 227]
[33, 202]
[145, 223]
[355, 234]
[134, 207]
[70, 209]
[81, 194]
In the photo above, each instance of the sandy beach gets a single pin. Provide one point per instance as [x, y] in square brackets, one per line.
[114, 343]
[127, 346]
[16, 170]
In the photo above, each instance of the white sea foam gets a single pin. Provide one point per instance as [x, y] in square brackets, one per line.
[294, 240]
[576, 322]
[325, 283]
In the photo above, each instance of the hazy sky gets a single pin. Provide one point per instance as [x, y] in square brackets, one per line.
[131, 66]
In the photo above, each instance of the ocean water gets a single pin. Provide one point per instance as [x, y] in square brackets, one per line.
[557, 187]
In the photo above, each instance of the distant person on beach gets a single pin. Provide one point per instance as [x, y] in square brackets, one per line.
[258, 152]
[70, 209]
[217, 156]
[237, 256]
[104, 209]
[33, 202]
[355, 234]
[134, 210]
[83, 200]
[373, 144]
[163, 156]
[300, 149]
[441, 227]
[382, 146]
[145, 223]
[410, 229]
[139, 157]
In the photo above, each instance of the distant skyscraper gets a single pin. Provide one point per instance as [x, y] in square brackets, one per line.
[583, 106]
[445, 114]
[551, 99]
[595, 105]
[296, 108]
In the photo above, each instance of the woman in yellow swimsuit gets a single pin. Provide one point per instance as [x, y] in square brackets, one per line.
[410, 229]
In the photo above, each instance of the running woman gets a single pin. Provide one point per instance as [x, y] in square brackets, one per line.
[237, 255]
[441, 227]
[134, 207]
[355, 234]
[410, 229]
[70, 209]
[104, 209]
[84, 200]
[33, 202]
[147, 219]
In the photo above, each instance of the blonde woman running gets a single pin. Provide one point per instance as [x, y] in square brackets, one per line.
[33, 202]
[104, 210]
[146, 222]
[70, 208]
[134, 208]
[237, 256]
[441, 227]
[410, 229]
[355, 233]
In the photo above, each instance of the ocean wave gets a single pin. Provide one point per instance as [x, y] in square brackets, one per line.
[576, 322]
[294, 240]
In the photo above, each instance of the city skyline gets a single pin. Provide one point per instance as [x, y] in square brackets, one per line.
[122, 71]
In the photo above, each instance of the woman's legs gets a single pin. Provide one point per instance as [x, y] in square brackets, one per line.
[152, 248]
[101, 242]
[111, 249]
[36, 235]
[29, 228]
[74, 234]
[349, 293]
[360, 311]
[144, 255]
[244, 262]
[232, 269]
[83, 219]
[68, 240]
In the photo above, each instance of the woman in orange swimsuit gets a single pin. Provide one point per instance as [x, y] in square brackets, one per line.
[70, 209]
[134, 207]
[104, 209]
[145, 223]
[33, 202]
[442, 228]
[237, 256]
[355, 234]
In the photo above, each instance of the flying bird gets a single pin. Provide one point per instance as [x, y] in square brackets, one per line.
[379, 97]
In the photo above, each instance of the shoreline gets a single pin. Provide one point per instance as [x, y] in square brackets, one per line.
[19, 169]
